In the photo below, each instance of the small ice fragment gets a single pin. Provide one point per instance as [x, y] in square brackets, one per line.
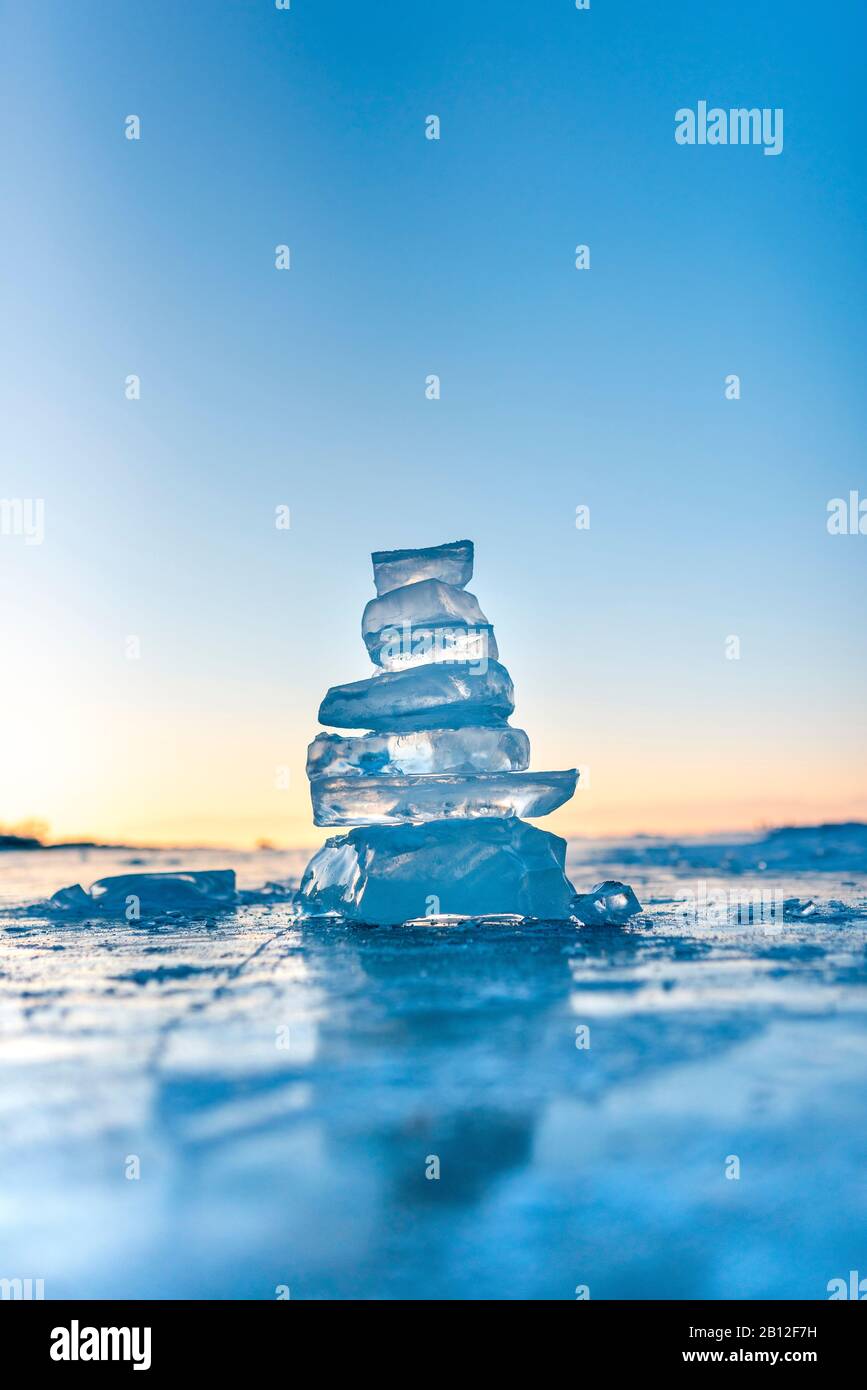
[468, 750]
[797, 908]
[150, 892]
[452, 563]
[423, 697]
[438, 796]
[608, 904]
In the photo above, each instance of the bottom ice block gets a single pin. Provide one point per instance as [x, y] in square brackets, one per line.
[386, 875]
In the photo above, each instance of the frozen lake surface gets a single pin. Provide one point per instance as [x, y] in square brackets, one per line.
[285, 1087]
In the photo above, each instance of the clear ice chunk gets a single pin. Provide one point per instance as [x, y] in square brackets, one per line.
[434, 696]
[452, 563]
[798, 908]
[427, 604]
[608, 904]
[151, 892]
[407, 797]
[387, 875]
[398, 648]
[469, 750]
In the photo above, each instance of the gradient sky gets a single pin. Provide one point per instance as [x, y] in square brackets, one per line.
[306, 388]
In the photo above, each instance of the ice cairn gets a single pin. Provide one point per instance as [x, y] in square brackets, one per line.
[438, 786]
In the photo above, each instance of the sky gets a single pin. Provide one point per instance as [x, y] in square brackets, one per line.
[305, 388]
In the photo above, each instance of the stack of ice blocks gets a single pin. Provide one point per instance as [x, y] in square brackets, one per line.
[439, 784]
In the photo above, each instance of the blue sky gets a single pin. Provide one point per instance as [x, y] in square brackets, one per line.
[409, 257]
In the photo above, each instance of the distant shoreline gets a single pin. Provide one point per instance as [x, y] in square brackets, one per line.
[641, 842]
[27, 842]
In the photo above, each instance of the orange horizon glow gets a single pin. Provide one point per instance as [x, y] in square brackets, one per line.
[151, 775]
[606, 821]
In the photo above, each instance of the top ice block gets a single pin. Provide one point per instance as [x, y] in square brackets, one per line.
[452, 563]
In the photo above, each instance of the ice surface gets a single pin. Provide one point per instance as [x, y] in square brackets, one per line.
[387, 875]
[144, 893]
[472, 749]
[397, 648]
[452, 563]
[608, 904]
[443, 796]
[453, 1039]
[423, 697]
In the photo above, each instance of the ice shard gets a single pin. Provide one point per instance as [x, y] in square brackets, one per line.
[441, 796]
[452, 563]
[387, 875]
[423, 697]
[467, 750]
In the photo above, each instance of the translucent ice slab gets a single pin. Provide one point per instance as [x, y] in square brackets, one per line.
[407, 797]
[129, 895]
[469, 750]
[429, 603]
[392, 874]
[424, 697]
[453, 563]
[397, 648]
